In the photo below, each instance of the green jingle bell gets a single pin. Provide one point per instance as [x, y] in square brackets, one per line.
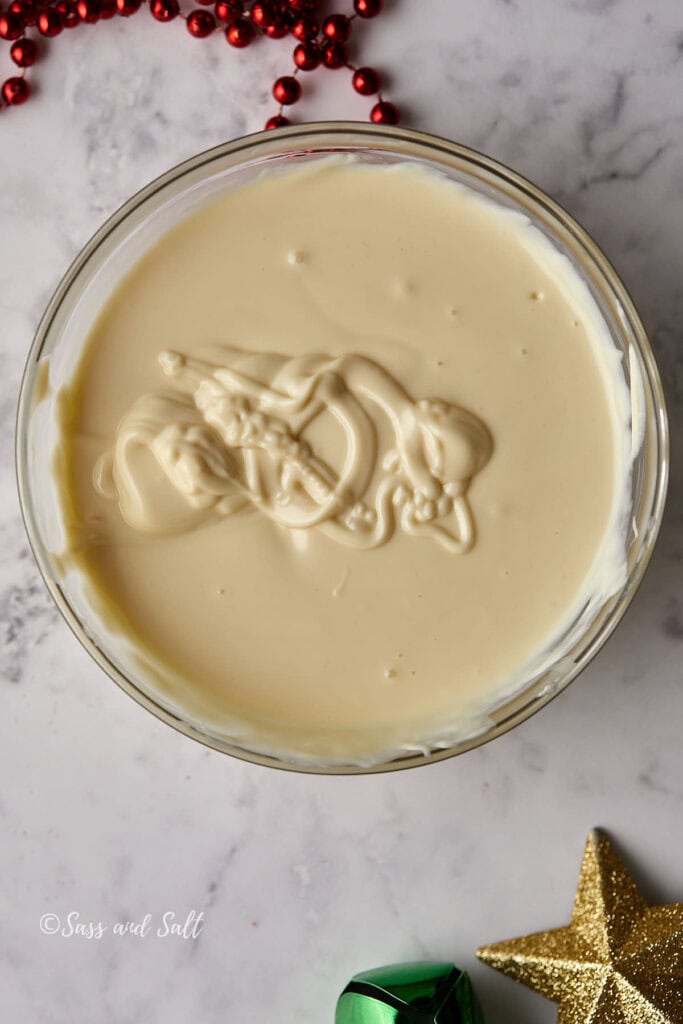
[418, 993]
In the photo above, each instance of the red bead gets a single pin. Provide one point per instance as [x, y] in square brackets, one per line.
[108, 9]
[277, 121]
[301, 6]
[49, 22]
[88, 11]
[367, 8]
[206, 3]
[307, 56]
[69, 13]
[277, 29]
[366, 81]
[128, 7]
[165, 10]
[384, 113]
[229, 10]
[241, 33]
[286, 90]
[24, 53]
[27, 10]
[11, 27]
[262, 14]
[334, 55]
[337, 28]
[304, 29]
[200, 24]
[15, 91]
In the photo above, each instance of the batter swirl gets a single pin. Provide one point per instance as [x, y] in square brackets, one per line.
[233, 437]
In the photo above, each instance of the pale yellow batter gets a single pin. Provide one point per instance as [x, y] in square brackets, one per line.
[343, 455]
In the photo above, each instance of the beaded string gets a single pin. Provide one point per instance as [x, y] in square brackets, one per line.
[319, 43]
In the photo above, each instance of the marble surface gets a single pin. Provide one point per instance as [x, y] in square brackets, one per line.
[302, 881]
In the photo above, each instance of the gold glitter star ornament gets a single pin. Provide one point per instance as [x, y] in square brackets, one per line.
[618, 962]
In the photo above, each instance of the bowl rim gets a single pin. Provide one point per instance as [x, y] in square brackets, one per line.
[280, 142]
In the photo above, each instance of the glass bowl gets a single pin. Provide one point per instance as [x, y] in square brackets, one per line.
[140, 222]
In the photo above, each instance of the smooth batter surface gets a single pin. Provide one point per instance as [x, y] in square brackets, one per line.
[409, 351]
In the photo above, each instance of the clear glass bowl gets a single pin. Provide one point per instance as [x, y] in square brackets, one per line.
[133, 229]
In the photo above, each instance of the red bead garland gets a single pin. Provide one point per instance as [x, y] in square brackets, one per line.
[244, 21]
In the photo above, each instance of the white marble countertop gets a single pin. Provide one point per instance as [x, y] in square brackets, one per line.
[304, 880]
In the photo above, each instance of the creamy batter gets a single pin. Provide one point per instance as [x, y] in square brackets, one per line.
[344, 454]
